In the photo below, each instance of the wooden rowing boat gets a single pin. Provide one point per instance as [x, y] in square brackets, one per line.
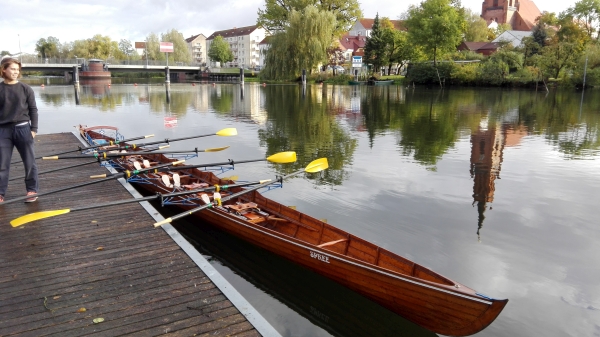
[400, 285]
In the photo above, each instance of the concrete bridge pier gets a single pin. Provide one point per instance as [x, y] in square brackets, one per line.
[76, 75]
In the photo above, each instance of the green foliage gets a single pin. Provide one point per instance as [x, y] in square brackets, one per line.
[47, 47]
[275, 17]
[303, 45]
[587, 12]
[476, 28]
[152, 51]
[466, 74]
[180, 50]
[512, 59]
[427, 72]
[436, 26]
[493, 73]
[219, 51]
[376, 45]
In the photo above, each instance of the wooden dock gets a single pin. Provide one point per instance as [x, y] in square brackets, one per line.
[60, 274]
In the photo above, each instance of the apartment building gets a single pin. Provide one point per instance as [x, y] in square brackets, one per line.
[243, 42]
[197, 47]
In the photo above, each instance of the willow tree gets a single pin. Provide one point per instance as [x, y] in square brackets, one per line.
[180, 48]
[302, 45]
[276, 15]
[152, 51]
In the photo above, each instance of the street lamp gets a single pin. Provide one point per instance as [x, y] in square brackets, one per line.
[20, 54]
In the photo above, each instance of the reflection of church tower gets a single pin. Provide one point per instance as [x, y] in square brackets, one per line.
[487, 145]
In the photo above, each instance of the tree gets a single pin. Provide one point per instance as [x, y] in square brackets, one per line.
[152, 51]
[376, 45]
[399, 50]
[47, 47]
[476, 27]
[219, 51]
[276, 15]
[335, 56]
[302, 45]
[180, 49]
[127, 49]
[102, 47]
[564, 48]
[436, 26]
[587, 12]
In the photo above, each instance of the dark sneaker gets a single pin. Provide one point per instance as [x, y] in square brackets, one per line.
[33, 197]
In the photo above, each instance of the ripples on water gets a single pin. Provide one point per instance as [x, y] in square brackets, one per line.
[496, 189]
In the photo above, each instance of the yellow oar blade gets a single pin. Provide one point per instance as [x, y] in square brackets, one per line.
[283, 157]
[217, 149]
[233, 178]
[37, 216]
[317, 165]
[227, 132]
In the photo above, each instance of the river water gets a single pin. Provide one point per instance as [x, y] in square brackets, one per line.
[496, 189]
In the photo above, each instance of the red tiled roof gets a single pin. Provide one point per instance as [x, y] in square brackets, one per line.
[266, 40]
[489, 46]
[528, 12]
[352, 42]
[192, 38]
[472, 46]
[233, 32]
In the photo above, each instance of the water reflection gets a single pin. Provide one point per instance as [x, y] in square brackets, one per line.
[399, 160]
[326, 304]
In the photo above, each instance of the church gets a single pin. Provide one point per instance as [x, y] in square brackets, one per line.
[520, 14]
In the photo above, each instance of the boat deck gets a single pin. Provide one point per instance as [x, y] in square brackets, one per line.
[61, 273]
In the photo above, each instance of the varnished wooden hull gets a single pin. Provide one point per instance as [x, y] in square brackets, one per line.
[408, 289]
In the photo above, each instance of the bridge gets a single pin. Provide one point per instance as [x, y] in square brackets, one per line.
[32, 64]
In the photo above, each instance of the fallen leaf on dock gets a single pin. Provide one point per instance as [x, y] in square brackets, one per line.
[55, 297]
[98, 320]
[94, 221]
[81, 310]
[100, 248]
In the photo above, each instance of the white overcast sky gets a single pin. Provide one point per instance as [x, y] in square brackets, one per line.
[26, 21]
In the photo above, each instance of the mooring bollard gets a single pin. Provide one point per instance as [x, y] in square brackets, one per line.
[167, 75]
[76, 74]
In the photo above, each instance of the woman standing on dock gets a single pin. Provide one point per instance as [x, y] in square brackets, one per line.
[18, 126]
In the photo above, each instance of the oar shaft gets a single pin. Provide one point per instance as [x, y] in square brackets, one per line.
[57, 190]
[57, 169]
[167, 141]
[87, 148]
[187, 167]
[159, 195]
[233, 196]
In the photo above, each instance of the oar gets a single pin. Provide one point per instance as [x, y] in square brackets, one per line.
[104, 155]
[279, 158]
[282, 157]
[92, 147]
[225, 133]
[48, 214]
[115, 176]
[315, 166]
[57, 169]
[98, 160]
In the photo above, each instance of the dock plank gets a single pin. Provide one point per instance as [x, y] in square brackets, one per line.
[110, 261]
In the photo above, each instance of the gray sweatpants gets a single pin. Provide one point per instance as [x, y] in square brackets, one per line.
[19, 137]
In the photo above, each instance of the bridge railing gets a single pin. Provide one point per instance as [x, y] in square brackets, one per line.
[31, 59]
